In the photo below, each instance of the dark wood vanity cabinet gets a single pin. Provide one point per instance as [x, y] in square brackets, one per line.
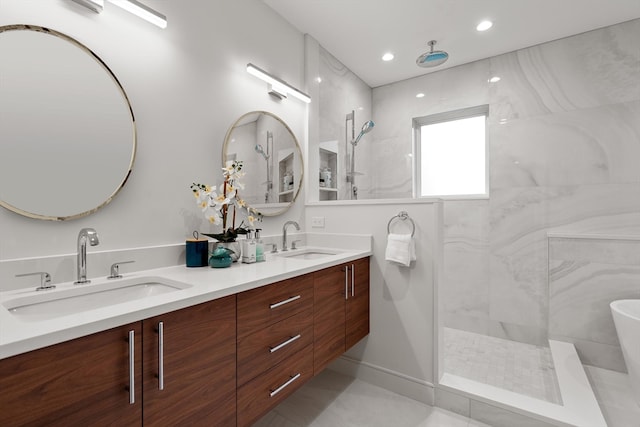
[189, 375]
[275, 344]
[76, 383]
[86, 381]
[340, 310]
[226, 362]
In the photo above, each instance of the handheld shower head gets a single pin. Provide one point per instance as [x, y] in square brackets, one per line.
[366, 128]
[260, 150]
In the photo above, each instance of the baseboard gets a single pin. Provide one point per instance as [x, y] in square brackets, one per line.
[414, 388]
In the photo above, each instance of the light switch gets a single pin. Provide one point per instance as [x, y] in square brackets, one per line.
[317, 222]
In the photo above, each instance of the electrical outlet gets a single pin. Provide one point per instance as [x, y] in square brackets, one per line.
[317, 222]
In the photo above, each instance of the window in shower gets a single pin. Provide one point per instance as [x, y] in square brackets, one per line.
[451, 153]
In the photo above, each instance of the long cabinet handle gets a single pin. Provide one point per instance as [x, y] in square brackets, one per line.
[283, 344]
[287, 301]
[353, 280]
[285, 385]
[132, 360]
[161, 355]
[346, 282]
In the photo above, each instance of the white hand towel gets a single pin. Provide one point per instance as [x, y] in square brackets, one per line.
[401, 249]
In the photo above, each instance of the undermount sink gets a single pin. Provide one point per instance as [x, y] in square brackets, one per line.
[46, 305]
[308, 253]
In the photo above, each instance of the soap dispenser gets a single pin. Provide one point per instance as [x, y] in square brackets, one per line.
[249, 249]
[260, 256]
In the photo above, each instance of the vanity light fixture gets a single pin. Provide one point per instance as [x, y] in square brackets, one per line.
[95, 5]
[142, 11]
[277, 87]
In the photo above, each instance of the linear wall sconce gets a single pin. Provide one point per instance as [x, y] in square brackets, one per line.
[142, 11]
[131, 6]
[95, 5]
[276, 86]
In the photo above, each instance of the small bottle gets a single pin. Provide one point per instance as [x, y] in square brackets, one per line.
[260, 256]
[248, 249]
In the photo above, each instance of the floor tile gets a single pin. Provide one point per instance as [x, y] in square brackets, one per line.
[334, 400]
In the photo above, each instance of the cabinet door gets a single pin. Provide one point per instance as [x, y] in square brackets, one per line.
[357, 325]
[76, 383]
[196, 368]
[330, 287]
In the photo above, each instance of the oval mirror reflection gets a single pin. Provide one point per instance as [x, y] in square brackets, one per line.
[272, 161]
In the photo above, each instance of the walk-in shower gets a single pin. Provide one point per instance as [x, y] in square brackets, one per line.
[268, 196]
[352, 143]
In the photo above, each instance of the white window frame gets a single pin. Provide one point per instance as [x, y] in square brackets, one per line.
[465, 113]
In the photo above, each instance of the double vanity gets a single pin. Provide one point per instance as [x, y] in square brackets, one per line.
[180, 345]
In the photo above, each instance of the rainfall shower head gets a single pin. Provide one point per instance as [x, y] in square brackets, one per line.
[260, 150]
[432, 58]
[366, 127]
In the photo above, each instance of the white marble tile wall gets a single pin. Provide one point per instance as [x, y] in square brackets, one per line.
[564, 144]
[341, 92]
[585, 275]
[564, 135]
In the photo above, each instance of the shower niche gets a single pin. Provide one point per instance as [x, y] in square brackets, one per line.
[328, 168]
[286, 175]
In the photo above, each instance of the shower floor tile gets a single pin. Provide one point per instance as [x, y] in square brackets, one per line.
[521, 368]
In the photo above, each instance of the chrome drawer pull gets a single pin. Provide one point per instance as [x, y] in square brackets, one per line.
[287, 301]
[284, 344]
[161, 355]
[132, 359]
[346, 282]
[283, 386]
[353, 279]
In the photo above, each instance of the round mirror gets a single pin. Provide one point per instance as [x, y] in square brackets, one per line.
[67, 128]
[272, 161]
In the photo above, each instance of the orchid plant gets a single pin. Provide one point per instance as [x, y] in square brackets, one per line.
[222, 205]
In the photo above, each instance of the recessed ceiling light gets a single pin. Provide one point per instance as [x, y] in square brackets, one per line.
[319, 79]
[388, 56]
[484, 25]
[420, 95]
[494, 79]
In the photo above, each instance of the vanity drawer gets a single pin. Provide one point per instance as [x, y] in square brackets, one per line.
[259, 396]
[270, 304]
[267, 347]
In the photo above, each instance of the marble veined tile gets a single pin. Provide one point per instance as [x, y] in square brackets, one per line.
[393, 179]
[520, 218]
[609, 251]
[580, 293]
[587, 146]
[592, 69]
[466, 266]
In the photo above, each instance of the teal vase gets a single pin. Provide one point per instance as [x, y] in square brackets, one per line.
[221, 257]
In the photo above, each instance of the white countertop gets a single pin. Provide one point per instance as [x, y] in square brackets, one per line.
[206, 284]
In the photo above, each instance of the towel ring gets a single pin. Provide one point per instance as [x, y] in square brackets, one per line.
[403, 216]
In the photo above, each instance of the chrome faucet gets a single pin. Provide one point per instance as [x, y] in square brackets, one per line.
[90, 235]
[284, 233]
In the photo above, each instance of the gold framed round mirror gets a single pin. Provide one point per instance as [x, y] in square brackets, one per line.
[272, 161]
[66, 125]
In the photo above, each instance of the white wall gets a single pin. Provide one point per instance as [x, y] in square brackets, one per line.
[399, 352]
[187, 84]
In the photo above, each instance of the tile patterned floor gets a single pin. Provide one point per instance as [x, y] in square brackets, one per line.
[334, 400]
[521, 368]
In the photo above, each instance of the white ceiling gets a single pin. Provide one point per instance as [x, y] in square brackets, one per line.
[359, 32]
